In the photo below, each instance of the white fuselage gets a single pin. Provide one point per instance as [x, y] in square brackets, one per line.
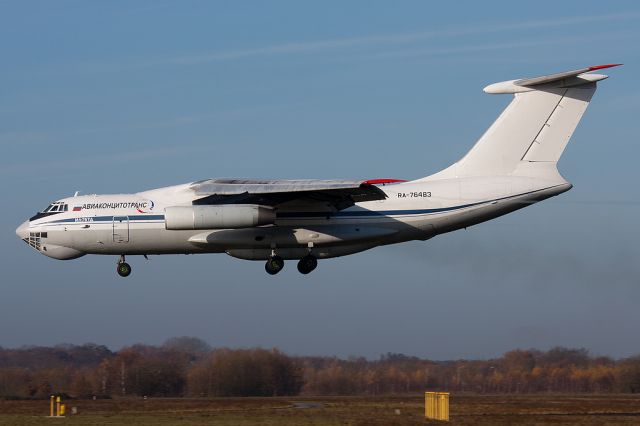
[130, 224]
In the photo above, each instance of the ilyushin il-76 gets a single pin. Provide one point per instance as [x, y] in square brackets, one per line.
[513, 165]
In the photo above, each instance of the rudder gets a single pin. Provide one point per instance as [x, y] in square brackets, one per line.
[550, 142]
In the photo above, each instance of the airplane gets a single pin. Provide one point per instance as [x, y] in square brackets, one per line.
[513, 165]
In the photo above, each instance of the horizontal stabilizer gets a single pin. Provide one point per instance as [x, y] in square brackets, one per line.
[562, 79]
[560, 76]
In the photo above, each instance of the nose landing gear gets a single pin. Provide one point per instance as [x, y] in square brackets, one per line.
[307, 264]
[124, 269]
[274, 264]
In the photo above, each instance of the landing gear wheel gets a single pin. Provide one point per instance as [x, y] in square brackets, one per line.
[124, 269]
[307, 264]
[274, 265]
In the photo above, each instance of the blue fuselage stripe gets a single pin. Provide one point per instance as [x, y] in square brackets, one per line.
[375, 213]
[304, 215]
[89, 219]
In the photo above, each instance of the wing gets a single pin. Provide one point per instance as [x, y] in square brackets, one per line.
[334, 194]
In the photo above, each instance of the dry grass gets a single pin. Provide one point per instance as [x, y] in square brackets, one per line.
[465, 410]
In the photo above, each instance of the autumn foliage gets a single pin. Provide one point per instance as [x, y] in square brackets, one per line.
[189, 367]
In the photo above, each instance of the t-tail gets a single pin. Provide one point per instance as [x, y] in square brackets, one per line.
[532, 132]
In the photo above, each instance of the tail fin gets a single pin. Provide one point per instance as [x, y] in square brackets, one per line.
[536, 126]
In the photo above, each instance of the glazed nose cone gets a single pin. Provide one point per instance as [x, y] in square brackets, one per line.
[23, 230]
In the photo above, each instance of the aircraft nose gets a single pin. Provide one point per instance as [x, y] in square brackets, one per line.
[23, 230]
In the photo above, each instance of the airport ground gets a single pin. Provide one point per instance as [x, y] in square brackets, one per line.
[391, 410]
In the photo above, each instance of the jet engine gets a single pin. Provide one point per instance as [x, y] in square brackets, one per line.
[226, 216]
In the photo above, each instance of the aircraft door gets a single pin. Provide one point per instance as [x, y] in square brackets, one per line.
[121, 229]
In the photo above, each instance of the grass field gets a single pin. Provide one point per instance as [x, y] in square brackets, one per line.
[465, 410]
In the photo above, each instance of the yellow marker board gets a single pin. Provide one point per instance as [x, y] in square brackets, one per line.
[436, 405]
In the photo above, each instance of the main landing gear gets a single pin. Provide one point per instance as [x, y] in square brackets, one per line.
[305, 265]
[124, 269]
[274, 264]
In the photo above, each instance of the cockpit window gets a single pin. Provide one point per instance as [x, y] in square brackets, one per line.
[56, 207]
[53, 208]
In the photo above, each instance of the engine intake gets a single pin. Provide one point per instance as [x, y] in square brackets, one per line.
[227, 216]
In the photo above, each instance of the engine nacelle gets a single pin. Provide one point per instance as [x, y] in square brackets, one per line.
[226, 216]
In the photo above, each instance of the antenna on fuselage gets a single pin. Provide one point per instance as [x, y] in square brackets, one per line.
[76, 193]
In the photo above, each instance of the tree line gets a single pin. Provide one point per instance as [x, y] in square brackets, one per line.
[188, 367]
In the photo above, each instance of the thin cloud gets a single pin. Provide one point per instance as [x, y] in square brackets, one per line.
[394, 39]
[222, 116]
[351, 44]
[93, 161]
[499, 46]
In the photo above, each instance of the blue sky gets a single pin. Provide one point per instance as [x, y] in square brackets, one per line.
[121, 96]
